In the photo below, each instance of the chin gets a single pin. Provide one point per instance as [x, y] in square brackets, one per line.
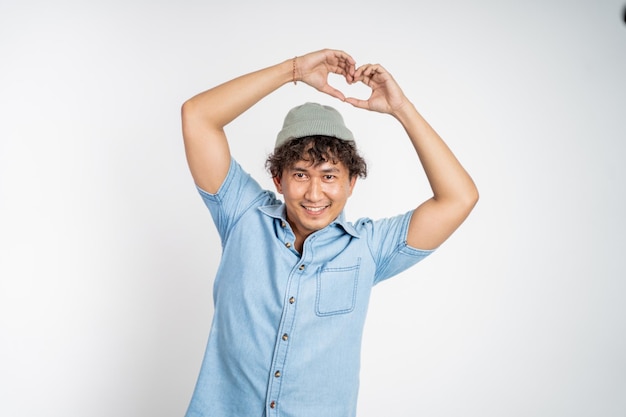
[316, 224]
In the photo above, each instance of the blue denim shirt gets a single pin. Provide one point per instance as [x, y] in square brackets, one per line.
[286, 333]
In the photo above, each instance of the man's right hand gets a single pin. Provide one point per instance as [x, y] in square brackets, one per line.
[313, 69]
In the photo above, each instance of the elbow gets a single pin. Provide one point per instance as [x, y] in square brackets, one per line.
[191, 114]
[187, 109]
[470, 198]
[474, 196]
[465, 200]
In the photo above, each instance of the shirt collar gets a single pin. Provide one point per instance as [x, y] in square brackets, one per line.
[278, 211]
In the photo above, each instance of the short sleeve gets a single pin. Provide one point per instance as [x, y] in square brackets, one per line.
[388, 245]
[238, 193]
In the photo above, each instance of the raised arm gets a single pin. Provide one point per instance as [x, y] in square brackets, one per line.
[205, 115]
[454, 192]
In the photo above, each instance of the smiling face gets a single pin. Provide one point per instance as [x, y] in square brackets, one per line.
[314, 195]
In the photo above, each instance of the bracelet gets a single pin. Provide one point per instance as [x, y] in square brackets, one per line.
[294, 71]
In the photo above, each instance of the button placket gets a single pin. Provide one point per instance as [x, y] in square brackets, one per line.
[286, 236]
[280, 359]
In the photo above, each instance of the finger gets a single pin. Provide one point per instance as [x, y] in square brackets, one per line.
[358, 73]
[347, 73]
[345, 66]
[361, 104]
[333, 92]
[345, 60]
[372, 75]
[368, 71]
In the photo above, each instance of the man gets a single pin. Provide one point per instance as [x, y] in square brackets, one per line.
[293, 285]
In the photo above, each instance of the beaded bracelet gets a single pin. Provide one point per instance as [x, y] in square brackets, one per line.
[294, 71]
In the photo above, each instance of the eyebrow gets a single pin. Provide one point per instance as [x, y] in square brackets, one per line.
[328, 170]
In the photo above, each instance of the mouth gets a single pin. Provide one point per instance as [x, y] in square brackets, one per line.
[315, 210]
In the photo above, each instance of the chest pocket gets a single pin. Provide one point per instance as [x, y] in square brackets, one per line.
[337, 289]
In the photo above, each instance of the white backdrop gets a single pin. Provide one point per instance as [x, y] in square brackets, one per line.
[107, 254]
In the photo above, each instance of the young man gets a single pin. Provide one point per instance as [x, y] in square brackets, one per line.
[293, 284]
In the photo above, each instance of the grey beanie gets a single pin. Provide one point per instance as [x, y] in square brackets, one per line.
[312, 119]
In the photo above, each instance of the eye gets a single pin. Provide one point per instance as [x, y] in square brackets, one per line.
[300, 176]
[329, 177]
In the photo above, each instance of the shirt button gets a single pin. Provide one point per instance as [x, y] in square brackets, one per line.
[277, 374]
[285, 337]
[301, 268]
[273, 404]
[283, 224]
[288, 244]
[292, 300]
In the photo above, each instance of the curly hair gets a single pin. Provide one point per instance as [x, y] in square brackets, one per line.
[317, 150]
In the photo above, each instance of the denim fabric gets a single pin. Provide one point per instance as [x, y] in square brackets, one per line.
[286, 333]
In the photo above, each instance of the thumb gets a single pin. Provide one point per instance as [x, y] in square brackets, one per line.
[331, 91]
[361, 104]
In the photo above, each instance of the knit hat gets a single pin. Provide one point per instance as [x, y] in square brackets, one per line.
[312, 119]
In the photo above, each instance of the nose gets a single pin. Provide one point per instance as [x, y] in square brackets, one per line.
[314, 191]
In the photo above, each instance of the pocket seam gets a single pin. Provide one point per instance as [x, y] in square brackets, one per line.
[354, 270]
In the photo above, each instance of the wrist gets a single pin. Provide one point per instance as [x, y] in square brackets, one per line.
[283, 71]
[294, 66]
[404, 112]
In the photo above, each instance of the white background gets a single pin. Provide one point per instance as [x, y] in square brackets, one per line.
[107, 253]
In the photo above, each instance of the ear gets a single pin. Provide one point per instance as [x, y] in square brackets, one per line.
[277, 184]
[352, 184]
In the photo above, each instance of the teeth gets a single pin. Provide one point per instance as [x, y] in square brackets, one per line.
[315, 208]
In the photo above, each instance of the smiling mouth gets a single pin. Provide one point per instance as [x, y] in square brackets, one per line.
[316, 209]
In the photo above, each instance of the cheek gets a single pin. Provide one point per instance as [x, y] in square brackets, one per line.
[339, 192]
[290, 190]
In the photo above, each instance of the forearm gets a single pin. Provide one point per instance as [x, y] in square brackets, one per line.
[447, 177]
[217, 107]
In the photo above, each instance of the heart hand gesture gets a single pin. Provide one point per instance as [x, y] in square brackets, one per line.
[386, 96]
